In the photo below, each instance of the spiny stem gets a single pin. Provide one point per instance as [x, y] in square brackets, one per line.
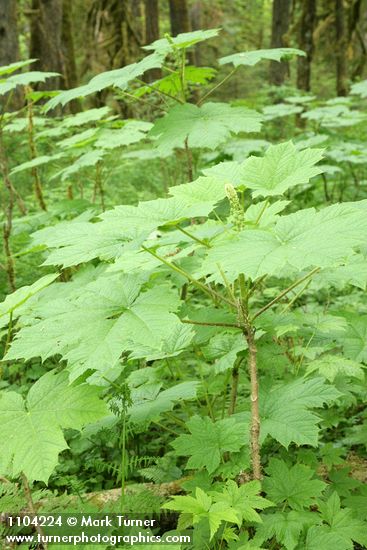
[284, 292]
[255, 413]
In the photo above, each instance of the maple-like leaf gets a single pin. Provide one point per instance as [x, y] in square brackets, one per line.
[219, 437]
[285, 410]
[205, 126]
[300, 240]
[31, 430]
[283, 166]
[293, 485]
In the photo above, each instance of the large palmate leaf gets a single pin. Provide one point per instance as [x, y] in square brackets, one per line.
[118, 78]
[294, 486]
[205, 126]
[202, 507]
[306, 238]
[286, 527]
[285, 413]
[31, 430]
[219, 437]
[119, 320]
[341, 529]
[253, 57]
[282, 167]
[244, 499]
[122, 229]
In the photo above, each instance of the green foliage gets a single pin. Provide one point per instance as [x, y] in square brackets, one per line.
[205, 126]
[221, 436]
[253, 57]
[31, 430]
[213, 328]
[292, 486]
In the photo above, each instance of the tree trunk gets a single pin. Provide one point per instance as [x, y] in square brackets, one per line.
[151, 21]
[9, 50]
[179, 16]
[340, 47]
[306, 44]
[279, 28]
[152, 32]
[45, 43]
[67, 45]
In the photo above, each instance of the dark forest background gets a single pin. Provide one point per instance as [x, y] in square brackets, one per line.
[79, 38]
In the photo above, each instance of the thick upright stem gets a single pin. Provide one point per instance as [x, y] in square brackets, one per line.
[255, 414]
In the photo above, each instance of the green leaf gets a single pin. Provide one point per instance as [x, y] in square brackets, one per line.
[300, 240]
[38, 161]
[286, 527]
[219, 437]
[319, 537]
[330, 366]
[145, 410]
[119, 319]
[118, 78]
[202, 507]
[182, 40]
[355, 340]
[205, 126]
[359, 88]
[293, 485]
[131, 132]
[85, 117]
[15, 300]
[31, 430]
[8, 69]
[23, 79]
[284, 410]
[251, 58]
[343, 523]
[283, 166]
[223, 349]
[244, 499]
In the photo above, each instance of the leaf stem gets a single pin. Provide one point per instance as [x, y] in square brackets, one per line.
[203, 243]
[229, 75]
[212, 293]
[284, 292]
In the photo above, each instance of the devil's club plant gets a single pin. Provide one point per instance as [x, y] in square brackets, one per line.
[202, 289]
